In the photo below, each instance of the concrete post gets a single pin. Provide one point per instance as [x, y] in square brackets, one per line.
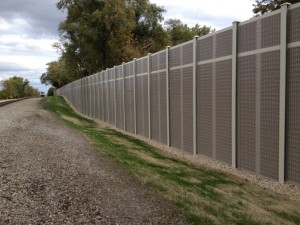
[282, 108]
[107, 95]
[149, 94]
[124, 102]
[195, 94]
[233, 93]
[134, 95]
[168, 93]
[115, 94]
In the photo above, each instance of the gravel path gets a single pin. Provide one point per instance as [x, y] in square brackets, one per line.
[50, 174]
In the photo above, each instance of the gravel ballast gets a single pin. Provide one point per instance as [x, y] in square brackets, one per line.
[51, 174]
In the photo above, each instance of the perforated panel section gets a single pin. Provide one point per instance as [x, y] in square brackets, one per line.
[223, 111]
[145, 106]
[120, 109]
[105, 98]
[129, 104]
[162, 108]
[127, 70]
[204, 109]
[175, 109]
[131, 68]
[224, 43]
[88, 97]
[175, 57]
[270, 77]
[187, 109]
[154, 62]
[187, 53]
[83, 96]
[139, 105]
[162, 60]
[111, 102]
[91, 96]
[144, 65]
[293, 28]
[271, 31]
[247, 37]
[109, 86]
[139, 66]
[97, 86]
[246, 108]
[205, 49]
[119, 72]
[154, 107]
[105, 101]
[293, 116]
[102, 99]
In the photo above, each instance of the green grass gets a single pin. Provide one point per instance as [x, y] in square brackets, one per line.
[292, 217]
[205, 196]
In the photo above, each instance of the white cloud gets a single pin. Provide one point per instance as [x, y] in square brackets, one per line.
[4, 25]
[32, 62]
[218, 14]
[14, 26]
[23, 43]
[26, 57]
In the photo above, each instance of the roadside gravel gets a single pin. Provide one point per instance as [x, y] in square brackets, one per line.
[51, 174]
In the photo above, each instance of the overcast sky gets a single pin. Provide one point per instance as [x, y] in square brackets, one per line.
[29, 27]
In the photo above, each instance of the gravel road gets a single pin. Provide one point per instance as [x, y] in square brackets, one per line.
[51, 174]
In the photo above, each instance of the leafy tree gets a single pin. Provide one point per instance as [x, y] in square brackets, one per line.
[56, 74]
[180, 32]
[51, 91]
[16, 87]
[148, 32]
[201, 31]
[29, 91]
[96, 34]
[99, 34]
[264, 6]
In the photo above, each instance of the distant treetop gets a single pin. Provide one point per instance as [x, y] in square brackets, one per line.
[16, 87]
[264, 6]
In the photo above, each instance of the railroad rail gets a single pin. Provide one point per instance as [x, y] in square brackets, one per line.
[6, 102]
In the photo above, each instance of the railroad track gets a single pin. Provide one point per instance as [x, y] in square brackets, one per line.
[2, 103]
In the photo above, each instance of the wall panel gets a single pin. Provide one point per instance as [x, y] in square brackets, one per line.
[246, 113]
[293, 116]
[204, 110]
[223, 111]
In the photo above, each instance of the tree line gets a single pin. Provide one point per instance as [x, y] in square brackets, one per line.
[16, 87]
[98, 34]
